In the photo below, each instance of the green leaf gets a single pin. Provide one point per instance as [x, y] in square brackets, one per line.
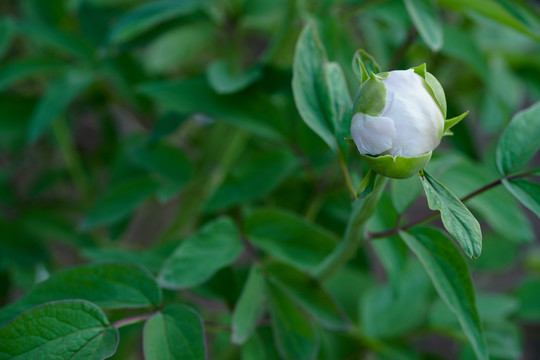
[449, 123]
[106, 285]
[251, 109]
[119, 201]
[254, 179]
[519, 141]
[434, 86]
[6, 35]
[290, 238]
[310, 85]
[340, 103]
[249, 307]
[424, 16]
[58, 97]
[526, 191]
[150, 15]
[200, 256]
[457, 219]
[309, 294]
[450, 276]
[529, 299]
[364, 64]
[225, 80]
[73, 329]
[491, 9]
[174, 333]
[21, 69]
[294, 336]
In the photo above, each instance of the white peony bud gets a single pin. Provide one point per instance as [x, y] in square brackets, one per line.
[399, 119]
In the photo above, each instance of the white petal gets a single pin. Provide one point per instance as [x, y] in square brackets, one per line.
[372, 135]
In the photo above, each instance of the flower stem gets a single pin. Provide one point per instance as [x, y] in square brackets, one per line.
[355, 233]
[131, 320]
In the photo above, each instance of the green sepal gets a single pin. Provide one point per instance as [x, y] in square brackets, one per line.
[397, 167]
[367, 185]
[449, 123]
[434, 87]
[371, 97]
[363, 64]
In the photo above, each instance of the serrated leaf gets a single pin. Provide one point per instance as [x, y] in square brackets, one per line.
[294, 336]
[249, 307]
[526, 191]
[424, 16]
[290, 238]
[119, 201]
[197, 258]
[519, 141]
[309, 294]
[72, 329]
[150, 15]
[310, 85]
[106, 285]
[175, 333]
[450, 276]
[457, 219]
[57, 98]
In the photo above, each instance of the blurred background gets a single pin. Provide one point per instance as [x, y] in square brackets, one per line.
[126, 124]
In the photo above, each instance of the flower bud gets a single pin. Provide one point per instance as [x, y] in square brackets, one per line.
[399, 118]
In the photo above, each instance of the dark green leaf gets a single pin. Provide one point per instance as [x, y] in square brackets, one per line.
[174, 333]
[290, 238]
[148, 16]
[58, 97]
[309, 294]
[255, 178]
[457, 219]
[6, 34]
[424, 16]
[21, 69]
[249, 307]
[529, 299]
[450, 276]
[73, 329]
[526, 191]
[519, 141]
[340, 103]
[106, 285]
[364, 64]
[119, 201]
[197, 258]
[293, 334]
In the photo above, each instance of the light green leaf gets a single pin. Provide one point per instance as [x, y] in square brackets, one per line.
[249, 307]
[58, 97]
[364, 64]
[424, 16]
[150, 15]
[225, 80]
[450, 276]
[200, 256]
[449, 123]
[290, 238]
[310, 85]
[106, 285]
[73, 329]
[119, 201]
[309, 294]
[457, 219]
[371, 97]
[254, 179]
[519, 141]
[174, 333]
[526, 191]
[434, 86]
[294, 336]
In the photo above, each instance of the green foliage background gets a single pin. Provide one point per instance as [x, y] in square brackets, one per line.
[162, 195]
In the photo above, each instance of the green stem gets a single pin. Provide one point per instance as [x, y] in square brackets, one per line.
[355, 232]
[131, 320]
[346, 175]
